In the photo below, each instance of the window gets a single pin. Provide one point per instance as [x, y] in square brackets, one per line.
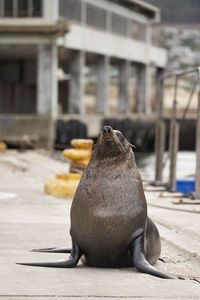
[37, 8]
[10, 72]
[8, 8]
[96, 16]
[20, 8]
[119, 24]
[70, 9]
[138, 32]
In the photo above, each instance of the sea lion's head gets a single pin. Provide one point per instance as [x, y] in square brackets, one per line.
[111, 144]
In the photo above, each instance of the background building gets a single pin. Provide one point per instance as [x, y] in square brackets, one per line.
[45, 47]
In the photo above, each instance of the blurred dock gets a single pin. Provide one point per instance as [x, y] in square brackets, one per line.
[65, 48]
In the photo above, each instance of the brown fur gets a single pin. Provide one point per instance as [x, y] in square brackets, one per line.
[110, 206]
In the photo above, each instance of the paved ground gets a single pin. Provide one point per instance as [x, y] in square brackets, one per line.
[30, 219]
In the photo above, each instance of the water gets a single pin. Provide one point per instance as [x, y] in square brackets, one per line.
[186, 164]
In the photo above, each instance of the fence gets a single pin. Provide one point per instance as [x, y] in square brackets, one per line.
[174, 130]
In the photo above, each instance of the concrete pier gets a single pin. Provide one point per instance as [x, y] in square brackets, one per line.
[77, 85]
[47, 89]
[124, 71]
[143, 89]
[102, 83]
[47, 85]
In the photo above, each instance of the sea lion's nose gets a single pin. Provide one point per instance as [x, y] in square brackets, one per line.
[107, 129]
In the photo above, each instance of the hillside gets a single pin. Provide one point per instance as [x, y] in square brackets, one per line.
[178, 11]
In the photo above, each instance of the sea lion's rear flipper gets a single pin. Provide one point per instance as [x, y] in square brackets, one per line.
[53, 250]
[140, 262]
[71, 262]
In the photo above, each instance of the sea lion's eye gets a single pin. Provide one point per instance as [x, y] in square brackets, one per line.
[118, 133]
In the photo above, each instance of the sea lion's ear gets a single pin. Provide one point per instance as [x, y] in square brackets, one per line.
[132, 146]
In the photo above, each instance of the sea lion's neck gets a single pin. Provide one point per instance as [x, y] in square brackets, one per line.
[106, 159]
[110, 149]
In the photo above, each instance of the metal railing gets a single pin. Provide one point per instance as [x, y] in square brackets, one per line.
[174, 129]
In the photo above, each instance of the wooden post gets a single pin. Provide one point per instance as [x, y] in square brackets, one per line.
[160, 129]
[174, 141]
[197, 177]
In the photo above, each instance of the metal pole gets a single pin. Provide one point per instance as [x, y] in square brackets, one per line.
[174, 141]
[180, 73]
[197, 177]
[160, 129]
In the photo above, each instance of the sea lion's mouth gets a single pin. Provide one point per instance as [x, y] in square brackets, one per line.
[108, 138]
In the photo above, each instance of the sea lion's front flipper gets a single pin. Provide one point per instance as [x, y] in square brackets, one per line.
[53, 250]
[71, 262]
[140, 262]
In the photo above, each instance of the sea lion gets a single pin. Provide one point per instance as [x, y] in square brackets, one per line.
[109, 222]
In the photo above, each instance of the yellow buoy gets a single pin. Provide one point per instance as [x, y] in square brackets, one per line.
[76, 154]
[61, 188]
[82, 163]
[3, 147]
[65, 185]
[82, 143]
[69, 176]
